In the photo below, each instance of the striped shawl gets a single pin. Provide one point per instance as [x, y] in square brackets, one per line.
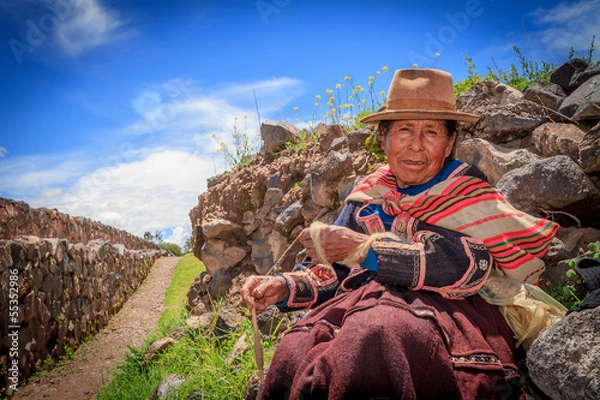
[469, 205]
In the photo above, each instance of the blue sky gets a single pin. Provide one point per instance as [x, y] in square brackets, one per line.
[109, 107]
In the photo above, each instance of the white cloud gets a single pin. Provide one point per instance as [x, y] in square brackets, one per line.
[85, 24]
[179, 236]
[149, 187]
[179, 113]
[31, 175]
[569, 24]
[146, 195]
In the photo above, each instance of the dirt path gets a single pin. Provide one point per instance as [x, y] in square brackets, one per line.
[94, 362]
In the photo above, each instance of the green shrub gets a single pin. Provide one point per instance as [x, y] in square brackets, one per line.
[171, 248]
[244, 149]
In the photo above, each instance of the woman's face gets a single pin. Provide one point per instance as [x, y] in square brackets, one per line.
[416, 150]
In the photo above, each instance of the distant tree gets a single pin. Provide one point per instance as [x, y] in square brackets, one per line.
[187, 248]
[158, 237]
[171, 248]
[148, 236]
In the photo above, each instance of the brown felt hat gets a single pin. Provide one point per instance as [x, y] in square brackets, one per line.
[422, 93]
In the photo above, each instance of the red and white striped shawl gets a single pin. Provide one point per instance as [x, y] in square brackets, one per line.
[469, 205]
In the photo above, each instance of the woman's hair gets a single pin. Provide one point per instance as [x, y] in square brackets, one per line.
[383, 128]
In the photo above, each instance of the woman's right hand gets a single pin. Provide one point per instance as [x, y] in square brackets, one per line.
[263, 291]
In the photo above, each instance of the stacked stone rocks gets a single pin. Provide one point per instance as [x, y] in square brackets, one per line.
[18, 218]
[56, 293]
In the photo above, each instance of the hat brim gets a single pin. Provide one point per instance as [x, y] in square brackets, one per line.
[419, 114]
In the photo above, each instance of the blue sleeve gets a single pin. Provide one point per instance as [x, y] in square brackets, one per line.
[370, 261]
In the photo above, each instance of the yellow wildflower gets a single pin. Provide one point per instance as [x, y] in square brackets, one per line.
[295, 108]
[318, 96]
[316, 104]
[378, 73]
[338, 86]
[347, 77]
[415, 65]
[437, 54]
[385, 68]
[382, 93]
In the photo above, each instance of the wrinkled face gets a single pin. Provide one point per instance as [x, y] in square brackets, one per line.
[416, 150]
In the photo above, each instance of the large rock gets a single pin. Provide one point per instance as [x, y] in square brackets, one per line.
[567, 73]
[563, 360]
[488, 92]
[262, 255]
[324, 178]
[553, 184]
[504, 114]
[289, 218]
[212, 255]
[584, 102]
[553, 139]
[589, 151]
[221, 229]
[583, 76]
[493, 160]
[545, 94]
[327, 134]
[356, 138]
[276, 133]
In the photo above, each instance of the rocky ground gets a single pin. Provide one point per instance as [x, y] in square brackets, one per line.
[94, 363]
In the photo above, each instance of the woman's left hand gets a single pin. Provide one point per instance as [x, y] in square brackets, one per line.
[338, 243]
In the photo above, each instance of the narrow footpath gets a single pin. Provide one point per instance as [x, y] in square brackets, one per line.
[94, 363]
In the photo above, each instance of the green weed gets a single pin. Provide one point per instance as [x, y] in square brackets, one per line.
[569, 291]
[175, 300]
[198, 355]
[244, 146]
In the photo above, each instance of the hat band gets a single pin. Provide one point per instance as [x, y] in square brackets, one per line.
[422, 104]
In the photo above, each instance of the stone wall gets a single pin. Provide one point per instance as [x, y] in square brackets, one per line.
[543, 158]
[59, 291]
[18, 218]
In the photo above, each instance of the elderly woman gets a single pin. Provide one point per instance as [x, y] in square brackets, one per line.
[403, 322]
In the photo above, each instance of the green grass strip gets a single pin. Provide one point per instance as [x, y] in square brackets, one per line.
[186, 270]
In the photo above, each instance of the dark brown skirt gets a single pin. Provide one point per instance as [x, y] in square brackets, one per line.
[379, 342]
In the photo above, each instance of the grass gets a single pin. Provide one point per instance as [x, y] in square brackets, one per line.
[186, 270]
[198, 355]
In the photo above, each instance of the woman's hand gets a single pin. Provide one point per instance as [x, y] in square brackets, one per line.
[263, 291]
[338, 243]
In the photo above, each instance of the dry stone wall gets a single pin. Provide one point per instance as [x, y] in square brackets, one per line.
[18, 218]
[61, 279]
